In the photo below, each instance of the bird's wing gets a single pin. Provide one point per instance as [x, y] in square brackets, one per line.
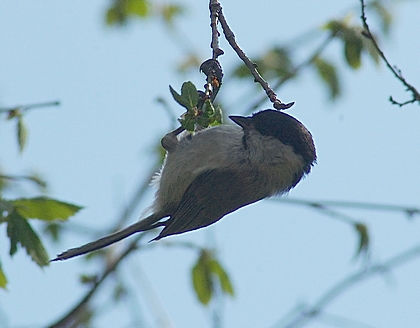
[212, 195]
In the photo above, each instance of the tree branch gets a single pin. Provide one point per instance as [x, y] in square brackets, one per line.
[295, 71]
[216, 9]
[365, 273]
[397, 73]
[408, 210]
[30, 106]
[72, 315]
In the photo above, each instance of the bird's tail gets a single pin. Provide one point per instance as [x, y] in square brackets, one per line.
[143, 225]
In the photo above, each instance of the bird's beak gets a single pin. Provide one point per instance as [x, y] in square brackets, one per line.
[242, 121]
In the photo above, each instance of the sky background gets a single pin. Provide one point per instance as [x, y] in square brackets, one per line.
[97, 146]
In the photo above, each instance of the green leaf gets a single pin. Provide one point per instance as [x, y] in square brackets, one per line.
[137, 7]
[204, 273]
[178, 98]
[363, 233]
[352, 38]
[112, 17]
[121, 10]
[190, 94]
[20, 232]
[202, 279]
[353, 46]
[188, 97]
[6, 207]
[383, 14]
[224, 280]
[372, 51]
[328, 74]
[3, 279]
[217, 116]
[44, 208]
[212, 116]
[188, 123]
[54, 230]
[22, 133]
[275, 63]
[335, 26]
[204, 114]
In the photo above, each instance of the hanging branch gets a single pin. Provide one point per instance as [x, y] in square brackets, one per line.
[366, 33]
[214, 8]
[216, 11]
[305, 63]
[211, 67]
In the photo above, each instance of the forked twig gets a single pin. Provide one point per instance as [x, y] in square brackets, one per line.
[216, 11]
[397, 72]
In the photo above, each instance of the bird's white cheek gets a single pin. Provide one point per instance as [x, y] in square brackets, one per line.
[278, 162]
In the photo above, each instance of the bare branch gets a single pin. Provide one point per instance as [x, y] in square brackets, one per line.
[74, 312]
[214, 7]
[305, 63]
[230, 37]
[408, 210]
[334, 292]
[397, 73]
[30, 106]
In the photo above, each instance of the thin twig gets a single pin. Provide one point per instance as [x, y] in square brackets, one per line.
[409, 210]
[214, 7]
[304, 316]
[334, 320]
[31, 178]
[305, 63]
[30, 106]
[78, 308]
[74, 312]
[397, 73]
[230, 37]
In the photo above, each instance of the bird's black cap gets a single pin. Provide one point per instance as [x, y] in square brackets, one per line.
[286, 128]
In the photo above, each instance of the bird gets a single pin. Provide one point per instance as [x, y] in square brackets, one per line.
[215, 171]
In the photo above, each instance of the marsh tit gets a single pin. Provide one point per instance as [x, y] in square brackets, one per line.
[218, 170]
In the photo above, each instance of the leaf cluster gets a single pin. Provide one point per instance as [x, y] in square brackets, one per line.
[207, 276]
[17, 213]
[353, 41]
[278, 63]
[199, 112]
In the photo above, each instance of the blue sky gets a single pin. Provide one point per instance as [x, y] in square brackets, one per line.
[96, 147]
